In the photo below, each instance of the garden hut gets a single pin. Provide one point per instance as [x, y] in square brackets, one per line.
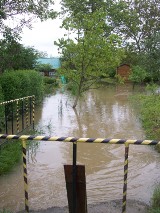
[54, 62]
[124, 70]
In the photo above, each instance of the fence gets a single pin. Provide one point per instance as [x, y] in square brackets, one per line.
[21, 110]
[75, 141]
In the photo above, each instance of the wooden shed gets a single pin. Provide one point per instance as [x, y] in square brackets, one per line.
[124, 71]
[55, 64]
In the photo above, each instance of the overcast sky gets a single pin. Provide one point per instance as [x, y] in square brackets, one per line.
[43, 34]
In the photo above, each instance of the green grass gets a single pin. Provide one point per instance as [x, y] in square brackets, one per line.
[155, 206]
[149, 113]
[5, 211]
[10, 155]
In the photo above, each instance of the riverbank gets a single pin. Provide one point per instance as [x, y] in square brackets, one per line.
[114, 206]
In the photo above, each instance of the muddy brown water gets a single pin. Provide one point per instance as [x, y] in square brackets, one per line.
[104, 113]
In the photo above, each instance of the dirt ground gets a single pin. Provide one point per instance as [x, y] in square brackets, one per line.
[106, 207]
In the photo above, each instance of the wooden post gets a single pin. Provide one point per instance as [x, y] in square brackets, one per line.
[81, 195]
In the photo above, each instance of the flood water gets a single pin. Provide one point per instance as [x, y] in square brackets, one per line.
[104, 113]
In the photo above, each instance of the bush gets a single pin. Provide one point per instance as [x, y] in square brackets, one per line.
[21, 83]
[43, 67]
[138, 74]
[48, 80]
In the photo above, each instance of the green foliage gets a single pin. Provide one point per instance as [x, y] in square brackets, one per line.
[152, 88]
[48, 80]
[14, 56]
[21, 83]
[43, 67]
[85, 60]
[138, 23]
[155, 210]
[149, 106]
[72, 88]
[120, 79]
[138, 74]
[150, 115]
[21, 13]
[5, 211]
[136, 20]
[10, 155]
[155, 206]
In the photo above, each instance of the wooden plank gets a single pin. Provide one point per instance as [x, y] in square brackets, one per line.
[81, 195]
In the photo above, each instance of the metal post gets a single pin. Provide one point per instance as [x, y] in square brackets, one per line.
[74, 174]
[33, 105]
[17, 115]
[26, 112]
[25, 176]
[30, 109]
[6, 120]
[125, 177]
[22, 114]
[12, 119]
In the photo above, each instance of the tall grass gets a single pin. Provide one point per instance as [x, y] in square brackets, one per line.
[10, 155]
[149, 113]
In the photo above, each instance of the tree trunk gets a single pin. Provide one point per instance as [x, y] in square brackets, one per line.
[76, 101]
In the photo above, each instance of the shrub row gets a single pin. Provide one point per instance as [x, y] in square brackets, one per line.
[21, 83]
[13, 85]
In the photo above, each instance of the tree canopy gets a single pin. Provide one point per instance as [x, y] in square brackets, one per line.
[14, 56]
[21, 13]
[91, 53]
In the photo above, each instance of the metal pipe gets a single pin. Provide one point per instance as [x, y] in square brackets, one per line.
[125, 178]
[74, 175]
[25, 175]
[6, 120]
[17, 116]
[33, 109]
[22, 114]
[30, 109]
[26, 112]
[12, 118]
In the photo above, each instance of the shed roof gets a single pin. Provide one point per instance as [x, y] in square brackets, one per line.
[54, 62]
[123, 65]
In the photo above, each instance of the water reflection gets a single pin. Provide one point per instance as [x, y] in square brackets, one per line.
[105, 113]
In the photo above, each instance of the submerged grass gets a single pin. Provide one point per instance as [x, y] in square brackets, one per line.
[10, 155]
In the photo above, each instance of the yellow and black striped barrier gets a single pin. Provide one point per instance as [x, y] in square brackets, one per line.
[25, 175]
[125, 178]
[33, 109]
[19, 112]
[18, 99]
[74, 140]
[27, 113]
[81, 140]
[17, 116]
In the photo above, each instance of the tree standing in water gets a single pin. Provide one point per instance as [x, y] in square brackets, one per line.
[90, 53]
